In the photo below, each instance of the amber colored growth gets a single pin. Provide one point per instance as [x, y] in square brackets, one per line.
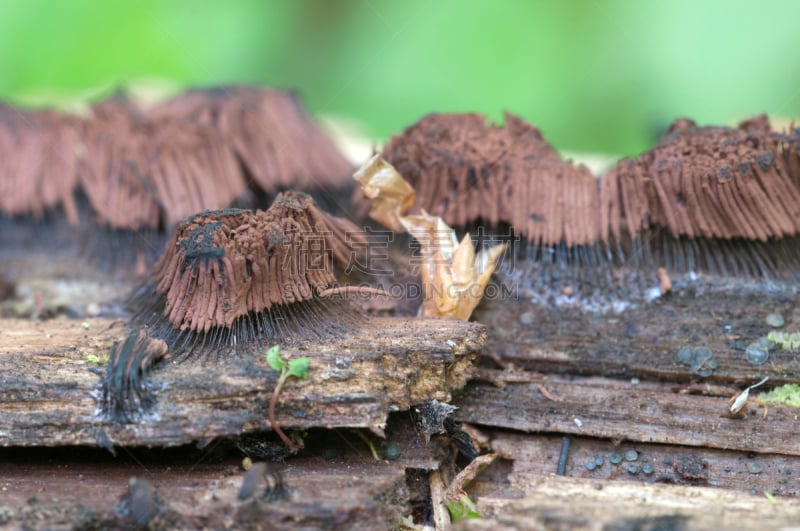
[708, 182]
[221, 265]
[466, 171]
[276, 141]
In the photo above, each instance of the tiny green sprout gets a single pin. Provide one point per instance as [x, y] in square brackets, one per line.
[772, 499]
[462, 508]
[298, 368]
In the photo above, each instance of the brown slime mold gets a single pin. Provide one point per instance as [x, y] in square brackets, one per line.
[231, 276]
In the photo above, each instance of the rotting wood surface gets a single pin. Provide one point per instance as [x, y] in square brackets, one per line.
[645, 412]
[42, 488]
[552, 502]
[644, 341]
[48, 389]
[524, 457]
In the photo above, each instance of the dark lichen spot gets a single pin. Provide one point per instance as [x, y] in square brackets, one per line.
[392, 451]
[199, 246]
[765, 160]
[691, 467]
[744, 168]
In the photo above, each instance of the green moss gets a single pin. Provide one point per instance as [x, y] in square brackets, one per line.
[95, 359]
[788, 394]
[785, 340]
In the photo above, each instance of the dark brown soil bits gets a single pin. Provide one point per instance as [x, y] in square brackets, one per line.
[713, 199]
[691, 467]
[278, 144]
[126, 394]
[230, 277]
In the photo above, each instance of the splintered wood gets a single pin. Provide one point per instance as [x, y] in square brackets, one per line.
[49, 384]
[189, 491]
[221, 265]
[612, 409]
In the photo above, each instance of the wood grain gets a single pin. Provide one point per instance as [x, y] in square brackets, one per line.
[49, 385]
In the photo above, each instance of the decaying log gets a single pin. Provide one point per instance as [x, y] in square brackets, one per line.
[644, 412]
[49, 390]
[196, 490]
[530, 456]
[552, 502]
[645, 340]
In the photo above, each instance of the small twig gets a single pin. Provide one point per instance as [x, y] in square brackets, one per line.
[561, 468]
[368, 443]
[441, 516]
[546, 393]
[468, 474]
[273, 423]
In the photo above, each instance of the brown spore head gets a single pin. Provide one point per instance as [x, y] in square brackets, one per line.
[466, 170]
[228, 274]
[39, 151]
[146, 168]
[707, 182]
[142, 172]
[273, 137]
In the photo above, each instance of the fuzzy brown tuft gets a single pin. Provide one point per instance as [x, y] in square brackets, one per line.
[148, 168]
[222, 266]
[466, 171]
[232, 281]
[273, 137]
[707, 182]
[39, 156]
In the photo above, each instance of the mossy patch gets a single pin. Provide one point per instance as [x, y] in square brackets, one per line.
[788, 394]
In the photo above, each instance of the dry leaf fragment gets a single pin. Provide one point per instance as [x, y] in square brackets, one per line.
[453, 276]
[391, 195]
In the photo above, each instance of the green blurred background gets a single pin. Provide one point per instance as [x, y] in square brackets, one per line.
[601, 76]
